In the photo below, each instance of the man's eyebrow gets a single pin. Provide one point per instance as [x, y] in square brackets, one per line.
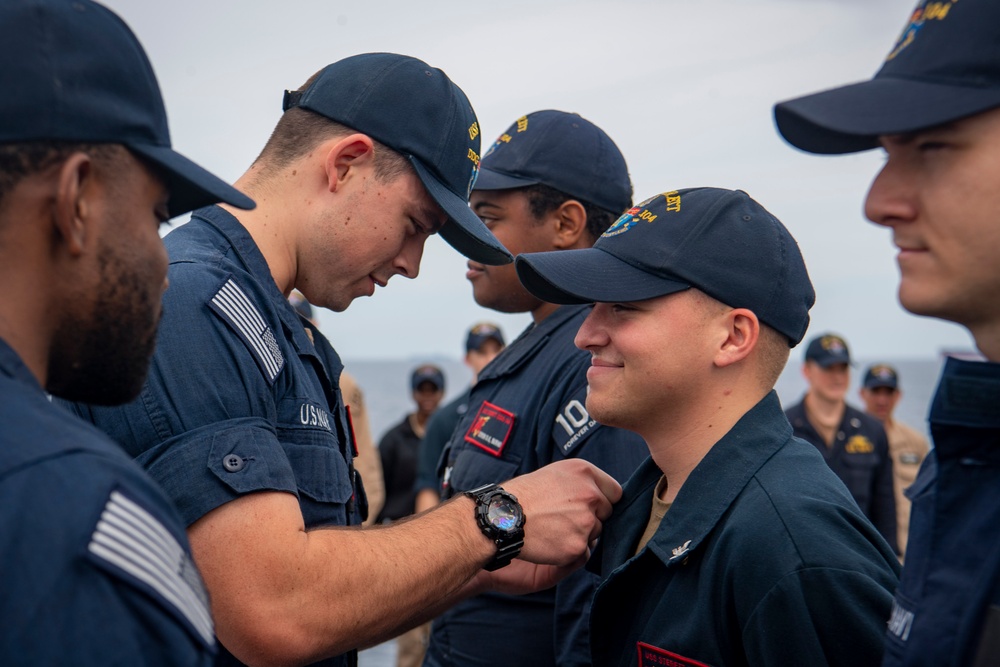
[436, 217]
[484, 204]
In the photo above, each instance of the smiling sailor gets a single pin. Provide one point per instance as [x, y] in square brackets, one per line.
[734, 543]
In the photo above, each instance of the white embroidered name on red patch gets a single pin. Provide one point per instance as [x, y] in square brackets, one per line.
[653, 656]
[491, 428]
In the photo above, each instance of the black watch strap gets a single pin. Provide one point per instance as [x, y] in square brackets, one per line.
[509, 543]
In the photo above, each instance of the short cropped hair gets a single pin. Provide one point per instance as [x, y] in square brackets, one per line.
[544, 199]
[772, 349]
[300, 130]
[773, 354]
[23, 159]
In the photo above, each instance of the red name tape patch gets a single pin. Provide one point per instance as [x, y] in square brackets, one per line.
[491, 428]
[652, 656]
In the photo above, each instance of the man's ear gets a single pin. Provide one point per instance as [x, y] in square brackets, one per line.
[75, 202]
[742, 333]
[570, 221]
[345, 156]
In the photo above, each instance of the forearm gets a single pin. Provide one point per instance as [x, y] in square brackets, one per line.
[404, 574]
[300, 596]
[284, 595]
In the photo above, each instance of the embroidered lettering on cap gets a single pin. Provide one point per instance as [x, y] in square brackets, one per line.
[130, 541]
[238, 311]
[490, 428]
[673, 201]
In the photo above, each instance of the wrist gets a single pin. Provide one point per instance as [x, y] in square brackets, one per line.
[501, 519]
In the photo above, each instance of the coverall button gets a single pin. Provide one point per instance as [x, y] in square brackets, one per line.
[233, 463]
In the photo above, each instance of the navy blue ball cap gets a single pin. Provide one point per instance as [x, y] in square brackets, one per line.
[881, 375]
[482, 332]
[427, 373]
[73, 71]
[417, 111]
[563, 151]
[945, 66]
[719, 241]
[828, 349]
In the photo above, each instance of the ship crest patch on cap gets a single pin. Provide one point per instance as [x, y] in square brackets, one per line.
[924, 11]
[643, 212]
[833, 344]
[883, 372]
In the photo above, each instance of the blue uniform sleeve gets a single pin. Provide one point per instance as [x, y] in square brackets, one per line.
[101, 570]
[205, 425]
[830, 617]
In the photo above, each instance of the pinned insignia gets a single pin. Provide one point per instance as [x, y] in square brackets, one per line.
[681, 550]
[859, 444]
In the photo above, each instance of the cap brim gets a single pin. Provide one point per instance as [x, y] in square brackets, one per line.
[589, 275]
[190, 186]
[832, 361]
[876, 385]
[495, 180]
[464, 231]
[851, 118]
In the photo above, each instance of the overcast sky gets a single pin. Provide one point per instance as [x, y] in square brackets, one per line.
[685, 88]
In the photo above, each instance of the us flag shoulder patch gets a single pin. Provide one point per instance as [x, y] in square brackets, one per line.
[131, 543]
[233, 305]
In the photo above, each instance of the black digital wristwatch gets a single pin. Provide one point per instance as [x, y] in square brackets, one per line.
[501, 519]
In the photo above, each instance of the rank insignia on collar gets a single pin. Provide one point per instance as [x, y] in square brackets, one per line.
[681, 550]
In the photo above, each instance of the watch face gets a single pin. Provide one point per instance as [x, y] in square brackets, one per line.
[503, 514]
